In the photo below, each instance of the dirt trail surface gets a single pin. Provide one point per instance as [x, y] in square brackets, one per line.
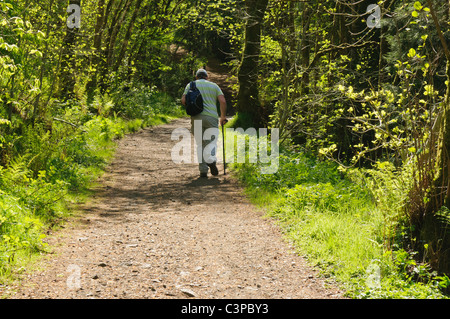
[154, 229]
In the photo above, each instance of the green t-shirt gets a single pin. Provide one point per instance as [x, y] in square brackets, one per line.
[209, 91]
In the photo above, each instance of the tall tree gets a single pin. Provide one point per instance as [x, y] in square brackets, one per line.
[67, 75]
[102, 12]
[248, 94]
[442, 181]
[127, 36]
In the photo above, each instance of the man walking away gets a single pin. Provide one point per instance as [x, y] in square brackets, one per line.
[211, 93]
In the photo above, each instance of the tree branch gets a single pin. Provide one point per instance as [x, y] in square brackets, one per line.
[438, 30]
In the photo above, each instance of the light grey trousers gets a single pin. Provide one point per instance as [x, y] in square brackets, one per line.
[206, 132]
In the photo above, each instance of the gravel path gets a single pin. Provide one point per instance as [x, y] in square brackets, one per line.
[155, 230]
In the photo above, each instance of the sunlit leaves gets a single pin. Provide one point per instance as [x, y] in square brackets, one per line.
[412, 53]
[418, 6]
[20, 55]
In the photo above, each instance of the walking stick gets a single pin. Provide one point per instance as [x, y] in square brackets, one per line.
[223, 149]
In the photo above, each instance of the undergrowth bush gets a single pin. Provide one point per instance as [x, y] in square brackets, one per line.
[138, 101]
[20, 230]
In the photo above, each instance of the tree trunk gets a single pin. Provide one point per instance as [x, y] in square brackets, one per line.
[442, 183]
[98, 33]
[443, 161]
[115, 32]
[305, 50]
[103, 66]
[124, 46]
[248, 94]
[433, 229]
[67, 73]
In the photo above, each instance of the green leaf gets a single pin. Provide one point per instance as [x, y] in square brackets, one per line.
[415, 14]
[411, 53]
[418, 6]
[36, 52]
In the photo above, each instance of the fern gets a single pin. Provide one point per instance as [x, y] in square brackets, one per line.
[16, 174]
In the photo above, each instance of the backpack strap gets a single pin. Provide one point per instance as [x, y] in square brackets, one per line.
[193, 85]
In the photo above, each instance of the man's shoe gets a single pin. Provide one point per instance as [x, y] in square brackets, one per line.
[203, 174]
[213, 168]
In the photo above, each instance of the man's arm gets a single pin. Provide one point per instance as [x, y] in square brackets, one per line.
[183, 98]
[223, 109]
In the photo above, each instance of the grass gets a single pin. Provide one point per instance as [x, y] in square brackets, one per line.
[343, 224]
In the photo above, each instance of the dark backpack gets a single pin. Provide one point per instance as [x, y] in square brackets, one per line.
[194, 100]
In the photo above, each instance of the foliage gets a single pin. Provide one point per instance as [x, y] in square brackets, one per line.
[211, 28]
[142, 102]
